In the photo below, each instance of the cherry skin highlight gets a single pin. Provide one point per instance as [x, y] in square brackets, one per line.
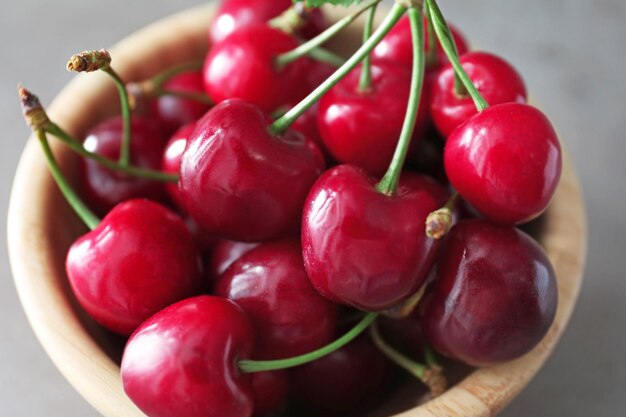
[495, 295]
[506, 162]
[363, 248]
[140, 259]
[171, 158]
[102, 188]
[223, 255]
[241, 183]
[243, 66]
[182, 362]
[290, 318]
[496, 80]
[362, 127]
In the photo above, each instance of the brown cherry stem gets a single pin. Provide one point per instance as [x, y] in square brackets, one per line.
[439, 222]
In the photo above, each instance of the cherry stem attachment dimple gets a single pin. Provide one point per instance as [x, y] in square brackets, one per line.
[447, 43]
[304, 49]
[250, 366]
[389, 183]
[85, 214]
[281, 125]
[365, 82]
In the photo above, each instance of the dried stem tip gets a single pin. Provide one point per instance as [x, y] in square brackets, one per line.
[438, 223]
[435, 380]
[33, 111]
[89, 61]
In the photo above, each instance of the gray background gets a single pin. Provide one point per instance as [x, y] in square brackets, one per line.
[571, 53]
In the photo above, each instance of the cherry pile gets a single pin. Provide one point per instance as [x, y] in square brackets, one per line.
[264, 208]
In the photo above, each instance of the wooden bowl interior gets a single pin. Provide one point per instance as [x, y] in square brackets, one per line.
[42, 227]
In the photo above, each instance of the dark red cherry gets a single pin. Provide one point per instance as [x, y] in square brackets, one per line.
[224, 254]
[496, 80]
[397, 45]
[174, 112]
[270, 392]
[243, 66]
[363, 248]
[241, 183]
[236, 14]
[347, 382]
[172, 155]
[140, 259]
[362, 128]
[495, 295]
[102, 188]
[182, 362]
[505, 161]
[269, 282]
[404, 334]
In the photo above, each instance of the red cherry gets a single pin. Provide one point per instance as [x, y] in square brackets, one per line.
[346, 382]
[236, 14]
[243, 66]
[241, 183]
[362, 128]
[397, 45]
[505, 161]
[404, 334]
[140, 259]
[363, 248]
[496, 80]
[102, 188]
[495, 295]
[172, 155]
[224, 254]
[270, 392]
[182, 362]
[174, 112]
[269, 282]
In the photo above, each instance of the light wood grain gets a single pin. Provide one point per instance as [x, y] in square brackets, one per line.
[41, 227]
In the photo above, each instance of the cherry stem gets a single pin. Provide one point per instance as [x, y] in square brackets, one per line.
[85, 214]
[431, 46]
[282, 124]
[389, 184]
[249, 366]
[326, 56]
[304, 49]
[77, 147]
[154, 87]
[161, 78]
[439, 222]
[365, 82]
[447, 43]
[124, 160]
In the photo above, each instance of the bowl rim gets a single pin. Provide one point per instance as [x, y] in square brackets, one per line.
[69, 341]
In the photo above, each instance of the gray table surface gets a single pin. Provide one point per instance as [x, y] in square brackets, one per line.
[571, 53]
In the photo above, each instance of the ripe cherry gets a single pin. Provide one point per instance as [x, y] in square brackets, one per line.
[495, 295]
[505, 161]
[269, 282]
[171, 158]
[404, 334]
[362, 127]
[270, 392]
[241, 183]
[224, 254]
[363, 248]
[102, 188]
[182, 362]
[138, 260]
[243, 66]
[496, 80]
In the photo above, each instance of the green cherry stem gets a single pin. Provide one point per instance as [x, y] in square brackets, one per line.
[305, 48]
[85, 214]
[324, 55]
[250, 366]
[390, 180]
[164, 76]
[447, 43]
[365, 82]
[431, 46]
[282, 124]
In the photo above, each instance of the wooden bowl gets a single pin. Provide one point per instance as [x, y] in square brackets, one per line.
[42, 227]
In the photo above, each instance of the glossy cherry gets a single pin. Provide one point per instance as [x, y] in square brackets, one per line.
[404, 334]
[102, 188]
[505, 161]
[270, 392]
[236, 14]
[243, 66]
[495, 295]
[182, 362]
[140, 259]
[347, 382]
[171, 158]
[363, 248]
[269, 282]
[224, 254]
[362, 127]
[496, 80]
[241, 183]
[174, 112]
